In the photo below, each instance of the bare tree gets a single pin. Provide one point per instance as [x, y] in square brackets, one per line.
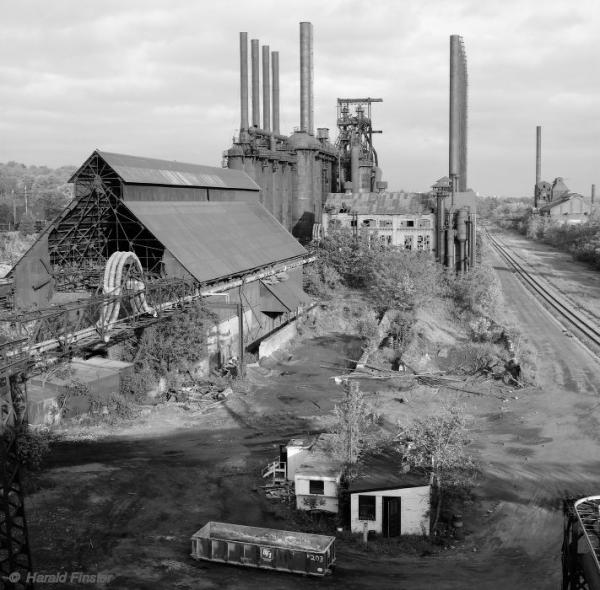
[354, 430]
[438, 443]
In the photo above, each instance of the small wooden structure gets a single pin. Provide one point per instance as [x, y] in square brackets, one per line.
[302, 553]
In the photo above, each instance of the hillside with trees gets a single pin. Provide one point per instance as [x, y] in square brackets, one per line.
[32, 193]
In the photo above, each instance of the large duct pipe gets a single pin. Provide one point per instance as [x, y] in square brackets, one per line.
[266, 68]
[275, 87]
[243, 82]
[306, 79]
[441, 220]
[255, 83]
[355, 168]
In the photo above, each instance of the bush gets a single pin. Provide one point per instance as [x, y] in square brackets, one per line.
[32, 448]
[477, 291]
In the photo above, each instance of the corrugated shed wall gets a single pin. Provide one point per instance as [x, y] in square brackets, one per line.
[32, 281]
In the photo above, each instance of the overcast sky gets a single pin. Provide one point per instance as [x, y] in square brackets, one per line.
[160, 78]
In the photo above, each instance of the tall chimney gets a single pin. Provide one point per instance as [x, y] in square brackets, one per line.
[454, 107]
[275, 87]
[266, 88]
[255, 84]
[243, 82]
[306, 78]
[593, 193]
[538, 155]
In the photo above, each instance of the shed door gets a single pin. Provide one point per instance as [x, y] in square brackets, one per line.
[391, 516]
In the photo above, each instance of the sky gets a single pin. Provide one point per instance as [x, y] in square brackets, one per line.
[160, 78]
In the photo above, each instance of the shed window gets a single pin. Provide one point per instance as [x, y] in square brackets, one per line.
[316, 486]
[410, 223]
[366, 507]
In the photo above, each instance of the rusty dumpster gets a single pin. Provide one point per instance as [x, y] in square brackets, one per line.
[287, 551]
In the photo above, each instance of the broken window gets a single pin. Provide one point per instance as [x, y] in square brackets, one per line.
[316, 486]
[419, 242]
[427, 243]
[366, 507]
[424, 223]
[408, 242]
[368, 222]
[410, 223]
[385, 223]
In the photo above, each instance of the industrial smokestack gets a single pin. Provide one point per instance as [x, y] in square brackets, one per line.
[306, 78]
[593, 193]
[275, 87]
[243, 82]
[255, 84]
[458, 113]
[266, 88]
[538, 155]
[454, 108]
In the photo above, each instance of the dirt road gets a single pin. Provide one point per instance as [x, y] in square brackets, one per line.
[127, 505]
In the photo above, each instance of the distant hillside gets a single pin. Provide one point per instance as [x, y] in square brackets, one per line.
[32, 192]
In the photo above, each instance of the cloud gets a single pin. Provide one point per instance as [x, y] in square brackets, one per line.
[160, 78]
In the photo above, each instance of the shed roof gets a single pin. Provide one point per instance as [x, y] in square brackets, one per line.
[138, 170]
[282, 297]
[384, 472]
[385, 203]
[214, 240]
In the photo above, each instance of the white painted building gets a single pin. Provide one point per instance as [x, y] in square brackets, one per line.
[308, 462]
[399, 219]
[393, 509]
[570, 208]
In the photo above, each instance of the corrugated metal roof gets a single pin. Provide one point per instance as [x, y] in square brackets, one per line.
[285, 296]
[376, 203]
[136, 170]
[216, 240]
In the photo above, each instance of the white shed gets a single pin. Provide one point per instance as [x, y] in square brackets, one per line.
[391, 508]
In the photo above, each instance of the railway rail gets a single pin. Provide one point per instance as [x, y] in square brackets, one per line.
[587, 333]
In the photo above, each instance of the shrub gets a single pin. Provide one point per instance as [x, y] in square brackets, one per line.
[32, 448]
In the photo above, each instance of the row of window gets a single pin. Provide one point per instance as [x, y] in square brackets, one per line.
[382, 223]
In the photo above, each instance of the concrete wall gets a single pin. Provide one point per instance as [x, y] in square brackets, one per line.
[329, 497]
[280, 338]
[414, 510]
[575, 210]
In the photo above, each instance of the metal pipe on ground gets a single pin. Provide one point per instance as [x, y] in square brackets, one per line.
[275, 90]
[243, 82]
[255, 83]
[266, 88]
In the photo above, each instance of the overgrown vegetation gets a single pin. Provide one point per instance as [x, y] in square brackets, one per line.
[169, 351]
[355, 430]
[438, 443]
[582, 240]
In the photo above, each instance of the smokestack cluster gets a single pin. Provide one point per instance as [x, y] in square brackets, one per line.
[306, 78]
[267, 58]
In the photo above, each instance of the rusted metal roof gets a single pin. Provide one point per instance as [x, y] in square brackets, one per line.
[376, 203]
[215, 240]
[136, 170]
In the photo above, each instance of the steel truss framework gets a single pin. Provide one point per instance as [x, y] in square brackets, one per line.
[355, 128]
[96, 225]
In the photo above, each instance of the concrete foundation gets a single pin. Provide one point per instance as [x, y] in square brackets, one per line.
[280, 338]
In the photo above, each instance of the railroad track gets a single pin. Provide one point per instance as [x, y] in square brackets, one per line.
[582, 327]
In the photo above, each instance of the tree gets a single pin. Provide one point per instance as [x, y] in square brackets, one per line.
[355, 428]
[401, 279]
[438, 443]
